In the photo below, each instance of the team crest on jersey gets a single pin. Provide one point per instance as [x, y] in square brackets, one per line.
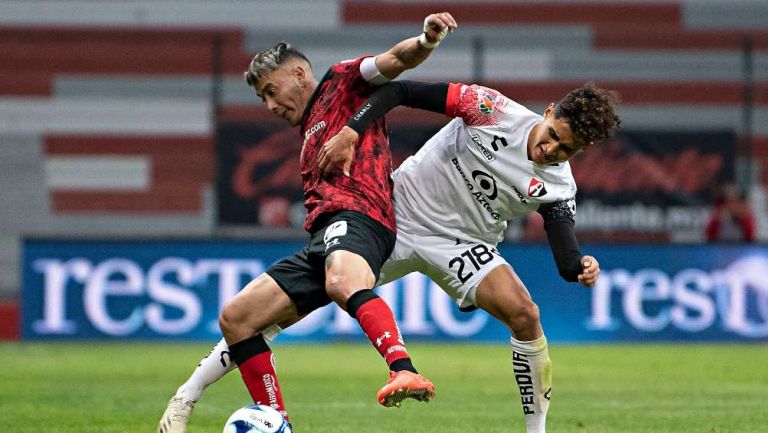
[536, 188]
[486, 103]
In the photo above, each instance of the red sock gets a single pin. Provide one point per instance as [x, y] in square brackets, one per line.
[378, 323]
[260, 378]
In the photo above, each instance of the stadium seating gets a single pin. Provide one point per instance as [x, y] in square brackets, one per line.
[130, 83]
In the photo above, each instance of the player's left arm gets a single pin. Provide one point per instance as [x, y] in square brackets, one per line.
[413, 51]
[559, 223]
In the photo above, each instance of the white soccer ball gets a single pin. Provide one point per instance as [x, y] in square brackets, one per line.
[257, 418]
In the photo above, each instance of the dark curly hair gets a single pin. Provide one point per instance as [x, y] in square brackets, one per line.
[269, 60]
[590, 112]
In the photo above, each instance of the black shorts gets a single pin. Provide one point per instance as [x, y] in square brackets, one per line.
[302, 275]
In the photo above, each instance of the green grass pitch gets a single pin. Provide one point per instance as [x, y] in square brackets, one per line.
[123, 387]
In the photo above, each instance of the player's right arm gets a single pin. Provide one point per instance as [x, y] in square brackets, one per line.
[411, 52]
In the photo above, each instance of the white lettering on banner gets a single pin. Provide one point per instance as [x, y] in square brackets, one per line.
[748, 273]
[55, 273]
[692, 295]
[170, 283]
[648, 285]
[638, 216]
[113, 277]
[172, 295]
[230, 273]
[126, 278]
[121, 297]
[690, 300]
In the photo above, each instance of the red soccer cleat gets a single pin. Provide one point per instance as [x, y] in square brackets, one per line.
[405, 384]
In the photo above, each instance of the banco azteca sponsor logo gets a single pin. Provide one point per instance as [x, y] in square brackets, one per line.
[485, 182]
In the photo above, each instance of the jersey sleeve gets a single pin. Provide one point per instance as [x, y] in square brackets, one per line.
[356, 76]
[559, 223]
[424, 96]
[563, 209]
[477, 105]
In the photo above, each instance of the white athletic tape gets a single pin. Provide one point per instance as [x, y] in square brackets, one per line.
[423, 37]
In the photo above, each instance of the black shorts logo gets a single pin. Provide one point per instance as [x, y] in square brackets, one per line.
[333, 232]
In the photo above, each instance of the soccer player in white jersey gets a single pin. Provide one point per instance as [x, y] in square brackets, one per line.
[496, 160]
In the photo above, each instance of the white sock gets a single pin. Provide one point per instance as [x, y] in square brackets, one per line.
[533, 373]
[210, 369]
[214, 366]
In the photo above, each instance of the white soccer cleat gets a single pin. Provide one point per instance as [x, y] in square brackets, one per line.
[176, 416]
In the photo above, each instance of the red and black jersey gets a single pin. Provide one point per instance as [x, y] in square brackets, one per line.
[368, 189]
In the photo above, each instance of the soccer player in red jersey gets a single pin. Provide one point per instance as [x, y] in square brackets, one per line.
[350, 217]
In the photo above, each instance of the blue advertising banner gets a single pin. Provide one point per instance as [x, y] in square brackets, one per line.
[174, 290]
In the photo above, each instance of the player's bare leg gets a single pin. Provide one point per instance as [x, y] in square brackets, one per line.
[259, 305]
[346, 274]
[210, 369]
[503, 295]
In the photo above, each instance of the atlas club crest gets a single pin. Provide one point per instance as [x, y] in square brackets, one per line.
[536, 188]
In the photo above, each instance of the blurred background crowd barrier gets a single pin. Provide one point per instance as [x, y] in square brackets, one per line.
[128, 119]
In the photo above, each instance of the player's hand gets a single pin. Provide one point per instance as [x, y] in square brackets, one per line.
[436, 26]
[590, 270]
[338, 151]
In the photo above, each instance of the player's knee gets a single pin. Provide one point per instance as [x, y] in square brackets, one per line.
[229, 318]
[337, 286]
[524, 317]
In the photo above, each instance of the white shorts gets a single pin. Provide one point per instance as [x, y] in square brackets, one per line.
[456, 266]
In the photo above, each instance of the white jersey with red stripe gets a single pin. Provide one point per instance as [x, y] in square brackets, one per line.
[474, 174]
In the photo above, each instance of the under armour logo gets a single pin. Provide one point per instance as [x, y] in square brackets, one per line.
[380, 339]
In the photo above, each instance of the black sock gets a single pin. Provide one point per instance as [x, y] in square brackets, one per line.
[403, 364]
[246, 349]
[358, 299]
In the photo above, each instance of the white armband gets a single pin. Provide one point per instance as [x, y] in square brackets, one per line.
[371, 73]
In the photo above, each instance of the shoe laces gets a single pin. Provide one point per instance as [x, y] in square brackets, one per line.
[181, 409]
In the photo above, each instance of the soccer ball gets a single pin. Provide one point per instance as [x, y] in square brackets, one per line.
[257, 418]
